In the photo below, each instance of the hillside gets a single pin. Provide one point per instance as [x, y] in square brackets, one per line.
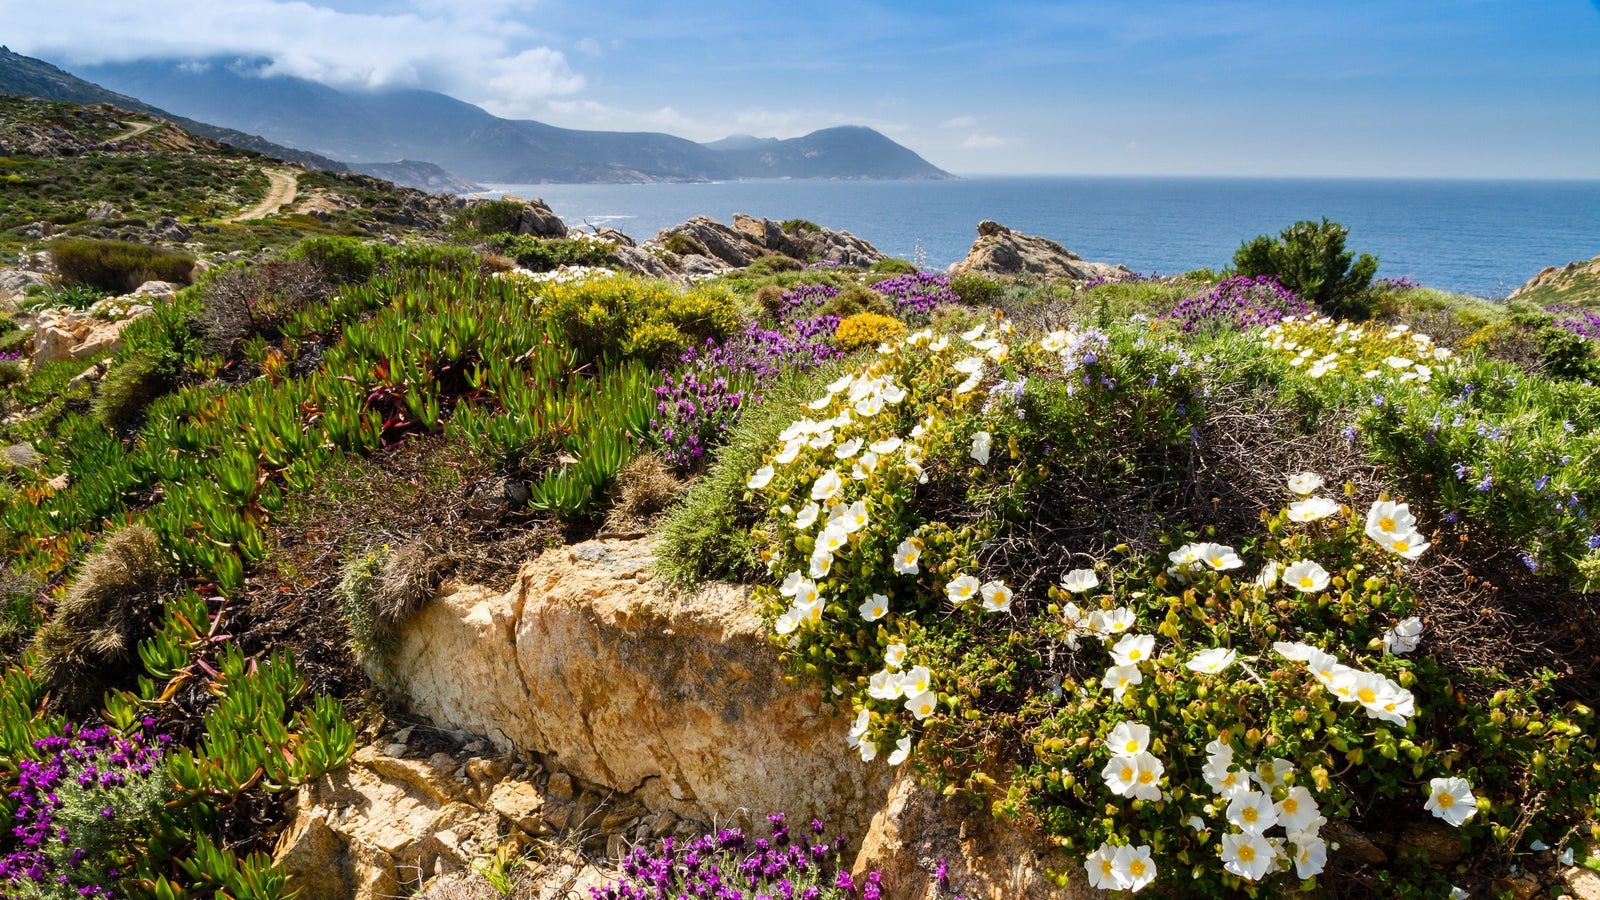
[1574, 284]
[471, 143]
[28, 77]
[104, 172]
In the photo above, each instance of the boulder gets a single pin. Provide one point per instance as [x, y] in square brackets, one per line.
[676, 698]
[730, 247]
[73, 334]
[1001, 251]
[694, 264]
[985, 858]
[751, 238]
[1575, 282]
[372, 826]
[15, 282]
[639, 261]
[103, 211]
[538, 219]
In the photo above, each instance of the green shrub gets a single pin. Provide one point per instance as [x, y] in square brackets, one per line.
[976, 290]
[777, 262]
[544, 254]
[341, 260]
[1309, 258]
[437, 257]
[493, 217]
[801, 226]
[117, 266]
[858, 299]
[684, 245]
[11, 373]
[128, 388]
[893, 266]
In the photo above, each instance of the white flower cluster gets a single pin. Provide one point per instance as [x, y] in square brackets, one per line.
[562, 275]
[1346, 339]
[855, 432]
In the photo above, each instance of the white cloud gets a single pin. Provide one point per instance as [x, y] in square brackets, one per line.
[983, 142]
[959, 122]
[470, 50]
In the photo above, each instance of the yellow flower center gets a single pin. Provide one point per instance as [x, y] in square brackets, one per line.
[1247, 853]
[1134, 654]
[1307, 581]
[1386, 524]
[1105, 867]
[1147, 778]
[1136, 868]
[1402, 545]
[1446, 801]
[1367, 695]
[1216, 561]
[1291, 805]
[1133, 746]
[1250, 814]
[1127, 773]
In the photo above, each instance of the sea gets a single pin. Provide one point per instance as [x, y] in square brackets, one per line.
[1474, 237]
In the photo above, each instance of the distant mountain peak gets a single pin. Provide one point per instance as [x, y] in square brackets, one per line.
[362, 128]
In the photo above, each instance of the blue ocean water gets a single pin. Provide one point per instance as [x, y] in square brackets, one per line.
[1476, 237]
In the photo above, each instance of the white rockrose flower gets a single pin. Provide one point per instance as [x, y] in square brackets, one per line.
[1403, 637]
[1133, 649]
[1305, 484]
[981, 442]
[1312, 509]
[875, 608]
[1306, 576]
[961, 589]
[1210, 662]
[1079, 580]
[996, 596]
[1252, 811]
[1451, 800]
[1247, 855]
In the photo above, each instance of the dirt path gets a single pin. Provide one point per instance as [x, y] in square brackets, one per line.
[280, 194]
[134, 130]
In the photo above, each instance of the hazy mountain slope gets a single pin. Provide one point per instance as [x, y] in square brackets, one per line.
[29, 77]
[849, 151]
[470, 142]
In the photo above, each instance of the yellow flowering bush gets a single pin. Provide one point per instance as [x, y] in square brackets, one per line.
[866, 329]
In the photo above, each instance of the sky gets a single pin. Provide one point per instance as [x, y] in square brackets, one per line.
[1405, 88]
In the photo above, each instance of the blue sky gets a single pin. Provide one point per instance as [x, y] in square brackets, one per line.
[1497, 88]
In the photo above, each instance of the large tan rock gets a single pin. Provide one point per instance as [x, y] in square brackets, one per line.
[1001, 251]
[378, 823]
[984, 858]
[677, 699]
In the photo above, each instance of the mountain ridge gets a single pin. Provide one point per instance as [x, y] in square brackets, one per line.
[469, 142]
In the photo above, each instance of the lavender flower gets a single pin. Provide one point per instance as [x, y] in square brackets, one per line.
[916, 295]
[1238, 302]
[726, 865]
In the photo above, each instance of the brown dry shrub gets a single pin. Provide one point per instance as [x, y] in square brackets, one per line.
[494, 263]
[245, 301]
[92, 636]
[770, 298]
[645, 488]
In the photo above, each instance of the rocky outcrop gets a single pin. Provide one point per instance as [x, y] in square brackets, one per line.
[676, 699]
[750, 238]
[1575, 282]
[538, 219]
[984, 858]
[1001, 251]
[391, 822]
